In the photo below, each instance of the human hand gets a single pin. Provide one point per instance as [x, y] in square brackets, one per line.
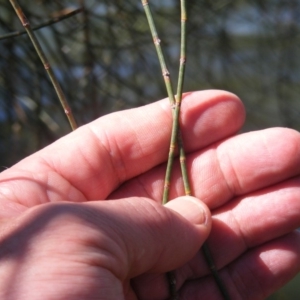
[59, 241]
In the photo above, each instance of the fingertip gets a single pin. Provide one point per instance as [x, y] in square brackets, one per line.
[209, 116]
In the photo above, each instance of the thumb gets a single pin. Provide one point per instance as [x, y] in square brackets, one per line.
[176, 242]
[196, 226]
[167, 236]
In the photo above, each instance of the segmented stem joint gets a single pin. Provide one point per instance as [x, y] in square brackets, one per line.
[47, 66]
[156, 41]
[22, 17]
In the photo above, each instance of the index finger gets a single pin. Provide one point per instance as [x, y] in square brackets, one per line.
[98, 157]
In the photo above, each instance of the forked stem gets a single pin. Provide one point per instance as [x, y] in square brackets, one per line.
[176, 135]
[45, 62]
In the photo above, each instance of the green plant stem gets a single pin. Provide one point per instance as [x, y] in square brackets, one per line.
[156, 41]
[181, 72]
[45, 62]
[48, 23]
[182, 61]
[186, 182]
[176, 136]
[166, 75]
[174, 103]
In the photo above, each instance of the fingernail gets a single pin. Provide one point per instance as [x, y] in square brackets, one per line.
[191, 209]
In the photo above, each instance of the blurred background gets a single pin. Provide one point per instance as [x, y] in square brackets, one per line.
[103, 56]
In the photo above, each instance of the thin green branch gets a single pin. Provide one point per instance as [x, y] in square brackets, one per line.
[156, 41]
[181, 73]
[48, 23]
[182, 61]
[45, 62]
[168, 84]
[186, 182]
[173, 143]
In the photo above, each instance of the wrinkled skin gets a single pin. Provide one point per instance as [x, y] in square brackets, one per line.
[60, 239]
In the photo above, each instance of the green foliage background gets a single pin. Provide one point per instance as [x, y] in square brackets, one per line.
[105, 61]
